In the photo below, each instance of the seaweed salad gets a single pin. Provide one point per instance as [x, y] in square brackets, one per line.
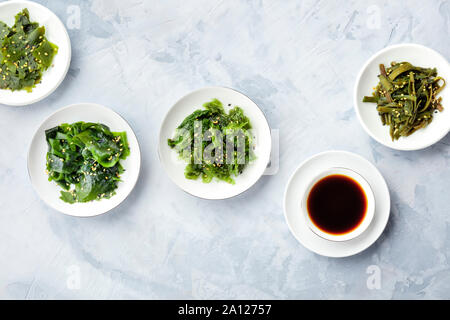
[25, 53]
[214, 143]
[86, 155]
[406, 97]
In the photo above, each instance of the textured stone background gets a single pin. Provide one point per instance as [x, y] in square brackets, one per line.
[298, 60]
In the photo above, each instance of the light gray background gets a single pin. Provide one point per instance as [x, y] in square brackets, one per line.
[298, 60]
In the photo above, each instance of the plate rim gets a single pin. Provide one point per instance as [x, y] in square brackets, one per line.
[68, 62]
[166, 117]
[356, 101]
[291, 177]
[72, 106]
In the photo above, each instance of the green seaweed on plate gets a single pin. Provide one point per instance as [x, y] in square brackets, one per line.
[210, 130]
[25, 53]
[86, 156]
[406, 97]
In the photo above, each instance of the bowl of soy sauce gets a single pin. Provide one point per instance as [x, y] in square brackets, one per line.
[338, 204]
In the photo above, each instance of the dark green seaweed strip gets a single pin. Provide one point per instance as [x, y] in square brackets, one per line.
[406, 97]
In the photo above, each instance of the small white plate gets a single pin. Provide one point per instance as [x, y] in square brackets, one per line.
[55, 33]
[49, 191]
[215, 189]
[298, 184]
[368, 116]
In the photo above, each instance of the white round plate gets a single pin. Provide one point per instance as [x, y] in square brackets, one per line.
[368, 116]
[298, 184]
[215, 189]
[55, 33]
[49, 191]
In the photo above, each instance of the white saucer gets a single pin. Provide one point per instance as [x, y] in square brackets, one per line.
[298, 184]
[49, 191]
[175, 166]
[57, 34]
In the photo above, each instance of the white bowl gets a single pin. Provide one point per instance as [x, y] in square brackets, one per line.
[49, 191]
[368, 216]
[55, 33]
[368, 116]
[297, 185]
[215, 189]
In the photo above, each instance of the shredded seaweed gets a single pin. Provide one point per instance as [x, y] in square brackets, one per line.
[87, 156]
[215, 144]
[406, 97]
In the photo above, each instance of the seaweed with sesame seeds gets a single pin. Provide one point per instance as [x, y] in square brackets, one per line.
[86, 156]
[209, 141]
[406, 97]
[25, 53]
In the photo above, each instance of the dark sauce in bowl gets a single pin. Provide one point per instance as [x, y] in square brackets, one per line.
[337, 204]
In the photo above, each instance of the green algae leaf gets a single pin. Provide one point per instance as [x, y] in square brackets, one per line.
[25, 53]
[227, 155]
[83, 158]
[407, 97]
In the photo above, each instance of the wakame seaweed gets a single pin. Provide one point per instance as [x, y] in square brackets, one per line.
[406, 97]
[25, 53]
[213, 131]
[86, 155]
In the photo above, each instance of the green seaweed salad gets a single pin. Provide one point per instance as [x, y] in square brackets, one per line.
[86, 155]
[232, 161]
[25, 53]
[406, 97]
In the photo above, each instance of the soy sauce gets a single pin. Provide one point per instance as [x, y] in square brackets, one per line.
[337, 204]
